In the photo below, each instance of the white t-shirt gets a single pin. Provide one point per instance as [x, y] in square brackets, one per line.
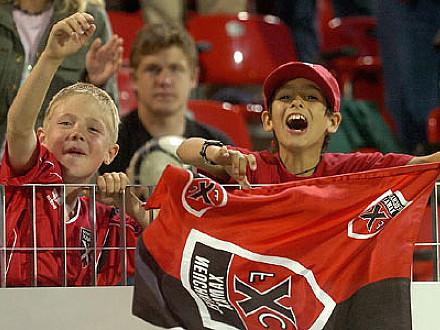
[31, 29]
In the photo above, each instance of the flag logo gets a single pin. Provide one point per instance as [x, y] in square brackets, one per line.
[374, 218]
[235, 288]
[202, 194]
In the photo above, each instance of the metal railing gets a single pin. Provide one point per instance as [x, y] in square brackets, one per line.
[35, 248]
[430, 255]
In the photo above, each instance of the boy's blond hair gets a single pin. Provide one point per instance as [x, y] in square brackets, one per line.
[104, 100]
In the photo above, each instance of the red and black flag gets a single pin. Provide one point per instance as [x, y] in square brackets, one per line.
[324, 253]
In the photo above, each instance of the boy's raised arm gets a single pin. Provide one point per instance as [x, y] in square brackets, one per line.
[216, 159]
[189, 153]
[435, 157]
[66, 37]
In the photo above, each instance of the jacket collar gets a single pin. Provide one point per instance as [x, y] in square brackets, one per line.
[6, 16]
[7, 20]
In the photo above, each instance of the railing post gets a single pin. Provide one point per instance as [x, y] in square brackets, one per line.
[63, 217]
[93, 223]
[2, 237]
[34, 238]
[434, 208]
[123, 239]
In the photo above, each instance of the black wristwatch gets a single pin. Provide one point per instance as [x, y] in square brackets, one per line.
[205, 145]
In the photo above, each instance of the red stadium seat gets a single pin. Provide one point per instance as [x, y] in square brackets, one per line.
[433, 130]
[352, 36]
[250, 111]
[126, 25]
[127, 95]
[240, 49]
[352, 50]
[223, 116]
[324, 14]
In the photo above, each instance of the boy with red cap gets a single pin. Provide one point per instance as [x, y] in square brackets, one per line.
[302, 109]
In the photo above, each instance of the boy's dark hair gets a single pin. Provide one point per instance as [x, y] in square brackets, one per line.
[328, 112]
[156, 37]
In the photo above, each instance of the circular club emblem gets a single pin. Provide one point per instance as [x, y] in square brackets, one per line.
[202, 194]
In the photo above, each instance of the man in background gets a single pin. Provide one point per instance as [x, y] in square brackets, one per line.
[164, 66]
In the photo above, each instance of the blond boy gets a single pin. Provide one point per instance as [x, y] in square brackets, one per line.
[78, 135]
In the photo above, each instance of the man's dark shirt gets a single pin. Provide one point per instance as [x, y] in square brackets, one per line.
[132, 136]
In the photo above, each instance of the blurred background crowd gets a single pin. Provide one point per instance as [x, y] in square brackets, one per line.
[385, 55]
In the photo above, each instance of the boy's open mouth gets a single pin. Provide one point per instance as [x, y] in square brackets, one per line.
[75, 151]
[296, 122]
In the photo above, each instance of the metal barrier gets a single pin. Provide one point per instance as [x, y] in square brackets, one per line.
[58, 196]
[427, 252]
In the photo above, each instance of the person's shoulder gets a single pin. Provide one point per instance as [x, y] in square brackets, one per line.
[373, 155]
[5, 10]
[130, 117]
[95, 8]
[46, 169]
[351, 155]
[193, 126]
[197, 129]
[6, 19]
[132, 127]
[130, 123]
[367, 160]
[340, 158]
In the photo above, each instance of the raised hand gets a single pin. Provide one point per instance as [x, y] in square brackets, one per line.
[103, 60]
[69, 35]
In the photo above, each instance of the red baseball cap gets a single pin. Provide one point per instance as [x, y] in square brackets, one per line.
[313, 72]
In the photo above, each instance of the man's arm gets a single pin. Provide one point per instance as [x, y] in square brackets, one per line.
[66, 37]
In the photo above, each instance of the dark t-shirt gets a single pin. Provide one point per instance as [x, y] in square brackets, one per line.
[132, 136]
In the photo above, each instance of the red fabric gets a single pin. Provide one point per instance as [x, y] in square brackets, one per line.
[49, 229]
[270, 169]
[316, 234]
